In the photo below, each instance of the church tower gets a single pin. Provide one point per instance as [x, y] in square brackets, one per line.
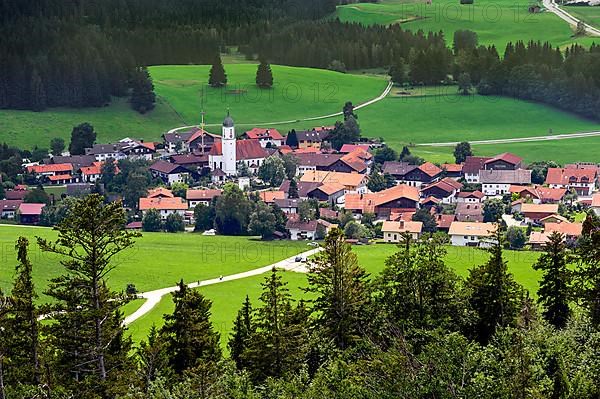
[228, 145]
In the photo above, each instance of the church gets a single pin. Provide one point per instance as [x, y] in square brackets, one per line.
[225, 156]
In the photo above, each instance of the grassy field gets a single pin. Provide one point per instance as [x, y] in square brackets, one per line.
[497, 22]
[298, 93]
[591, 15]
[157, 260]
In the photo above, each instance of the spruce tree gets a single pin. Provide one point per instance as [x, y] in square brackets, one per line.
[217, 76]
[142, 93]
[87, 337]
[22, 326]
[38, 92]
[293, 190]
[494, 294]
[264, 75]
[340, 287]
[243, 328]
[553, 293]
[188, 333]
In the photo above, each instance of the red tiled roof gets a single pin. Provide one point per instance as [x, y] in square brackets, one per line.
[9, 205]
[346, 148]
[596, 200]
[471, 194]
[368, 202]
[160, 192]
[31, 209]
[566, 228]
[56, 167]
[452, 167]
[430, 169]
[244, 149]
[259, 133]
[354, 161]
[444, 221]
[506, 157]
[402, 226]
[60, 177]
[270, 196]
[175, 203]
[564, 176]
[201, 195]
[473, 165]
[446, 184]
[198, 133]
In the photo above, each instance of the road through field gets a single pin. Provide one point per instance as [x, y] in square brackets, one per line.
[154, 297]
[516, 140]
[380, 97]
[569, 18]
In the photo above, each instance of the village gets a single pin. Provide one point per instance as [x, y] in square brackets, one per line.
[465, 200]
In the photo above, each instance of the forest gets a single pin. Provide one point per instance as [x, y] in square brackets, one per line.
[418, 330]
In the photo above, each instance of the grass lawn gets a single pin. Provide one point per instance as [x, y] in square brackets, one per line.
[461, 259]
[157, 260]
[227, 299]
[591, 15]
[497, 22]
[298, 93]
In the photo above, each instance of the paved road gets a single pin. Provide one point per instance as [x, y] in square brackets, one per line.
[516, 140]
[312, 118]
[565, 16]
[153, 297]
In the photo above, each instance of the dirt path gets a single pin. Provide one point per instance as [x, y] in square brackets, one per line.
[516, 140]
[154, 297]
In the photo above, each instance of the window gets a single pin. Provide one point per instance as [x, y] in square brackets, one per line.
[466, 237]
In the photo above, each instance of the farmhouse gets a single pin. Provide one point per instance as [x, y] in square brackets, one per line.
[266, 137]
[333, 193]
[504, 161]
[453, 170]
[470, 196]
[471, 168]
[583, 180]
[533, 213]
[352, 182]
[58, 169]
[9, 208]
[195, 140]
[394, 231]
[170, 173]
[444, 190]
[30, 213]
[309, 138]
[165, 206]
[204, 197]
[269, 197]
[469, 212]
[303, 188]
[413, 175]
[383, 202]
[300, 230]
[288, 205]
[471, 234]
[498, 182]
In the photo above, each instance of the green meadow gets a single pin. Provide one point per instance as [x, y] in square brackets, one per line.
[591, 15]
[496, 22]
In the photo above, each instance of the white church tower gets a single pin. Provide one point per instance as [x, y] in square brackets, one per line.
[228, 146]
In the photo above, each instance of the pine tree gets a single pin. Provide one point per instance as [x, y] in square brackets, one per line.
[87, 337]
[188, 333]
[142, 93]
[553, 293]
[494, 295]
[22, 326]
[243, 328]
[264, 75]
[38, 92]
[293, 190]
[153, 359]
[217, 76]
[339, 284]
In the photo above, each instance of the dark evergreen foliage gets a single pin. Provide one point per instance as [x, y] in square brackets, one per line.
[142, 92]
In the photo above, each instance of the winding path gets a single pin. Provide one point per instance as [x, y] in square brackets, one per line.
[569, 18]
[380, 97]
[515, 140]
[154, 297]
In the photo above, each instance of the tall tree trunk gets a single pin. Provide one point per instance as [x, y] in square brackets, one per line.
[99, 344]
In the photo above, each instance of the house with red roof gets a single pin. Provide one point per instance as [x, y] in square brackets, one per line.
[472, 166]
[471, 197]
[582, 180]
[453, 170]
[301, 230]
[596, 204]
[266, 137]
[40, 171]
[382, 203]
[9, 208]
[394, 231]
[413, 175]
[30, 213]
[194, 140]
[348, 148]
[504, 161]
[204, 197]
[249, 152]
[445, 190]
[164, 205]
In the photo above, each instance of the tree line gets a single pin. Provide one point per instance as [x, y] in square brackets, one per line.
[417, 330]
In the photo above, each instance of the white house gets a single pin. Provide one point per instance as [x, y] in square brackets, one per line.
[470, 197]
[164, 205]
[300, 230]
[596, 203]
[472, 234]
[393, 231]
[498, 182]
[169, 172]
[582, 180]
[266, 137]
[204, 197]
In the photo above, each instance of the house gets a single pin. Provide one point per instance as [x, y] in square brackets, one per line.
[583, 180]
[269, 197]
[352, 182]
[195, 140]
[160, 192]
[41, 171]
[504, 161]
[470, 197]
[300, 230]
[469, 212]
[596, 203]
[92, 173]
[169, 172]
[308, 138]
[15, 194]
[266, 137]
[303, 188]
[533, 213]
[412, 175]
[444, 190]
[164, 205]
[345, 163]
[553, 219]
[190, 161]
[61, 179]
[538, 240]
[30, 213]
[204, 197]
[571, 231]
[126, 148]
[429, 202]
[348, 148]
[9, 208]
[472, 166]
[539, 194]
[288, 205]
[332, 193]
[444, 221]
[394, 231]
[78, 161]
[383, 202]
[248, 152]
[498, 182]
[472, 234]
[453, 170]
